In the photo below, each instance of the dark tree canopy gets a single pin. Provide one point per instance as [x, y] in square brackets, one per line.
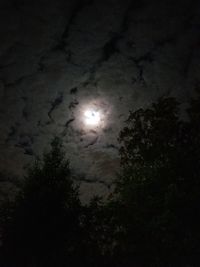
[158, 189]
[152, 219]
[42, 227]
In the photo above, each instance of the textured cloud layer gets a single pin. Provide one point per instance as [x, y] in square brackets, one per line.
[58, 57]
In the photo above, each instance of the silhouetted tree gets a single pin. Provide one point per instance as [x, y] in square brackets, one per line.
[152, 220]
[42, 227]
[98, 233]
[158, 190]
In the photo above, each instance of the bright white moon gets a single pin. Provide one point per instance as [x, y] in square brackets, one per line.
[92, 117]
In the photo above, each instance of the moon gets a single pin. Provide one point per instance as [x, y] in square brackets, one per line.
[92, 117]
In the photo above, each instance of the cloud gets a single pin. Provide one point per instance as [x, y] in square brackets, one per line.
[59, 57]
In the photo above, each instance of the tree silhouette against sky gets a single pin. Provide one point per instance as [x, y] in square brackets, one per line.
[42, 227]
[152, 220]
[159, 186]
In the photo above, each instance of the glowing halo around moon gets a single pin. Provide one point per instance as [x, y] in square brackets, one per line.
[92, 117]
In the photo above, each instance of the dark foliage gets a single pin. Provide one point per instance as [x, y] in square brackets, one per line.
[42, 227]
[152, 220]
[159, 187]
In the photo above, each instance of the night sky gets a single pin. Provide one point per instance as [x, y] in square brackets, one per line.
[61, 59]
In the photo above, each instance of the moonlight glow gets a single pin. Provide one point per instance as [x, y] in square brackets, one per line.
[92, 117]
